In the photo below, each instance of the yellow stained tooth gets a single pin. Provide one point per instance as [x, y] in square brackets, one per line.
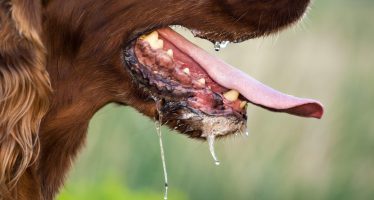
[231, 95]
[150, 37]
[170, 53]
[186, 71]
[243, 104]
[153, 40]
[201, 81]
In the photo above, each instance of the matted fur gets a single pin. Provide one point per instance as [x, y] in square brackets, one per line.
[24, 90]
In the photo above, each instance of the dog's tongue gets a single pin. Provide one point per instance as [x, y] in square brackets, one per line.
[232, 78]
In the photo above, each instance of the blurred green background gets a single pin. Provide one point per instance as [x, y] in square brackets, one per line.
[329, 56]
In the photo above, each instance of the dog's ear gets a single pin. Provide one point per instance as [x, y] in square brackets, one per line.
[24, 88]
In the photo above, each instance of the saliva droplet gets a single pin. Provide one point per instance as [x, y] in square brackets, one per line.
[224, 44]
[211, 139]
[217, 46]
[220, 45]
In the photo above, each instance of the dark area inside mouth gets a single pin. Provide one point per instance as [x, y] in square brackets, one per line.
[176, 77]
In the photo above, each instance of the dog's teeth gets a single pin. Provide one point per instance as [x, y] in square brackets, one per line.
[186, 71]
[153, 40]
[243, 104]
[201, 81]
[170, 53]
[150, 37]
[231, 95]
[159, 44]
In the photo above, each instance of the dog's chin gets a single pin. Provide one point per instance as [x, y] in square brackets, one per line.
[186, 97]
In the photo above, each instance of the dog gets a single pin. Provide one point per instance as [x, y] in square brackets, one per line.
[63, 60]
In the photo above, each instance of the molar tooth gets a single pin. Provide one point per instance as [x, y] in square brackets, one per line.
[170, 53]
[186, 71]
[243, 104]
[231, 95]
[201, 81]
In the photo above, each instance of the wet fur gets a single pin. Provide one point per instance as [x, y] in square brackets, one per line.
[76, 46]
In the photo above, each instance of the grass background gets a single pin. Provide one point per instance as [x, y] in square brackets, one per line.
[329, 56]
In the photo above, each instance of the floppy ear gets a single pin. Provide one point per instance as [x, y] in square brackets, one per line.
[24, 88]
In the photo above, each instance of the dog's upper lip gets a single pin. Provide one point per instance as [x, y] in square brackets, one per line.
[232, 78]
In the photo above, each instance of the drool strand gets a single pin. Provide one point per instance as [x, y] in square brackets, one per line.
[158, 124]
[211, 139]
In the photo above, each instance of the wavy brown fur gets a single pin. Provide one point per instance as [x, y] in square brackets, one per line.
[24, 90]
[79, 43]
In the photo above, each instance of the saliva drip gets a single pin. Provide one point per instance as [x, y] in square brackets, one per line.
[211, 139]
[159, 133]
[220, 45]
[246, 130]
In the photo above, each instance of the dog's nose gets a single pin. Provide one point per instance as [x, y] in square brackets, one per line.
[266, 15]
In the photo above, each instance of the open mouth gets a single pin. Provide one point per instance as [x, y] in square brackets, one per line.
[199, 94]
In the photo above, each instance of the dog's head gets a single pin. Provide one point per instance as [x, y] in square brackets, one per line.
[122, 51]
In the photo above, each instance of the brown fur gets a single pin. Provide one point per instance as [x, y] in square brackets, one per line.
[24, 90]
[79, 43]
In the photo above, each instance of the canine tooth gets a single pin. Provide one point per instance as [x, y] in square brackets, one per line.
[151, 37]
[153, 40]
[186, 71]
[201, 81]
[231, 95]
[243, 104]
[170, 53]
[159, 44]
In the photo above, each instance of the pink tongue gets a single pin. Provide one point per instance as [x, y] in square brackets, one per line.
[232, 78]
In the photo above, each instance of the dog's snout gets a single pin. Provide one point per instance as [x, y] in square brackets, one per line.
[266, 16]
